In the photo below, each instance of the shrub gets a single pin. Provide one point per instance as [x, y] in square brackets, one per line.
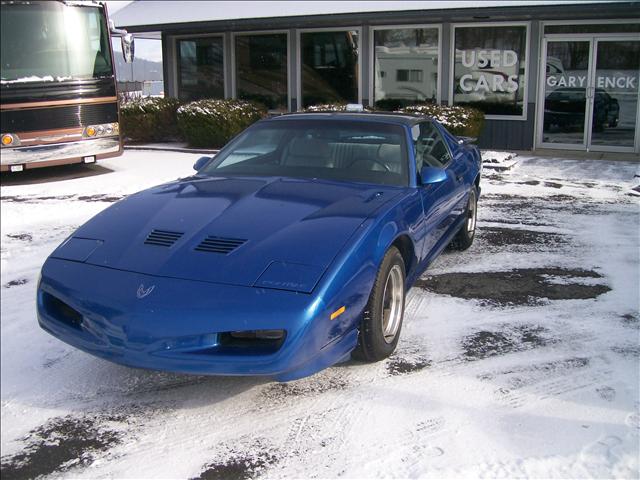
[327, 107]
[149, 119]
[393, 104]
[271, 102]
[462, 121]
[212, 123]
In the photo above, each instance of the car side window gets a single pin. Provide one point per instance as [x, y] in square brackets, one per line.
[430, 147]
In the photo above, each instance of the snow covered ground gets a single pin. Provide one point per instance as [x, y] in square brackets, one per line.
[518, 358]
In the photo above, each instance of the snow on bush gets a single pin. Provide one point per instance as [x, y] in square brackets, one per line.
[462, 121]
[212, 123]
[327, 107]
[149, 119]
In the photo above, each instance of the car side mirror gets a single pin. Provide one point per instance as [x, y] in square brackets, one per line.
[432, 175]
[201, 162]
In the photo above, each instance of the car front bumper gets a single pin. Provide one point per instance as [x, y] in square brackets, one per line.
[178, 324]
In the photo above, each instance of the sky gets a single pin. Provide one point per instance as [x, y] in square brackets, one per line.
[115, 5]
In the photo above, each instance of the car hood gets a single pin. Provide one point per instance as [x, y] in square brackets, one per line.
[247, 231]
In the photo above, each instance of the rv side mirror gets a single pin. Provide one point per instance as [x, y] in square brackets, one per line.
[128, 47]
[126, 40]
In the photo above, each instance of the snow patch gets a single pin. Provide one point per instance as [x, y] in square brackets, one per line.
[542, 382]
[35, 78]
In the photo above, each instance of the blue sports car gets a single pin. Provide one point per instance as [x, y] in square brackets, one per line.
[289, 251]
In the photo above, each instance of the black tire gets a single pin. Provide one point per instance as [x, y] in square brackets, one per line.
[466, 234]
[372, 343]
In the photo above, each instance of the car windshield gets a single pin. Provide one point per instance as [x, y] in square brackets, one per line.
[328, 149]
[52, 41]
[568, 94]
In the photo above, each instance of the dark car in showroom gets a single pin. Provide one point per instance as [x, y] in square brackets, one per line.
[565, 107]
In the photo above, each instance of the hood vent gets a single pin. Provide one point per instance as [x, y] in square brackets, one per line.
[162, 238]
[219, 245]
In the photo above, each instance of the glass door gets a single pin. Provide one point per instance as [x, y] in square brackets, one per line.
[591, 90]
[566, 104]
[614, 94]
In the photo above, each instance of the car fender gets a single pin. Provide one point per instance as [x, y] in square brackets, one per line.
[387, 235]
[349, 279]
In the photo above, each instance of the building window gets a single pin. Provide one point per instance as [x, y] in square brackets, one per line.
[261, 69]
[414, 76]
[410, 56]
[200, 68]
[329, 67]
[490, 68]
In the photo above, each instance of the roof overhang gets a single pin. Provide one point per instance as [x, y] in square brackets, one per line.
[176, 15]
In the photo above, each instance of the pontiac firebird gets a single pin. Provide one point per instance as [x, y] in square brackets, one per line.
[289, 251]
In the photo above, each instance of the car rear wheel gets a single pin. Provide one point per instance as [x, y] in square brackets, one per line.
[382, 319]
[464, 237]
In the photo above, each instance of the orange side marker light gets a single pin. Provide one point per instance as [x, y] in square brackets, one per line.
[337, 313]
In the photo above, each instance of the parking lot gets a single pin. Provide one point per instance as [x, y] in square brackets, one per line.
[518, 358]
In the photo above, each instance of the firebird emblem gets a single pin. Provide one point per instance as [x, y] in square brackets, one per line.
[143, 292]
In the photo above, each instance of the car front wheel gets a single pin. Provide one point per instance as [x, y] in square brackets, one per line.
[382, 319]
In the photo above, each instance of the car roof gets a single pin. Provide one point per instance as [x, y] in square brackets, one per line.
[377, 117]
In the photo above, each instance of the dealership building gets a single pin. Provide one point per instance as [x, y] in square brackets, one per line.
[547, 74]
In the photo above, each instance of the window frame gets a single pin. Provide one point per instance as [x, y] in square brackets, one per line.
[372, 53]
[234, 80]
[299, 33]
[527, 65]
[225, 60]
[611, 21]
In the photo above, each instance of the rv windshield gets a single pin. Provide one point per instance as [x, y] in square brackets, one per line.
[51, 41]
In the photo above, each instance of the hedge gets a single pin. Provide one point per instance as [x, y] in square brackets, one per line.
[462, 121]
[212, 123]
[392, 104]
[326, 107]
[149, 119]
